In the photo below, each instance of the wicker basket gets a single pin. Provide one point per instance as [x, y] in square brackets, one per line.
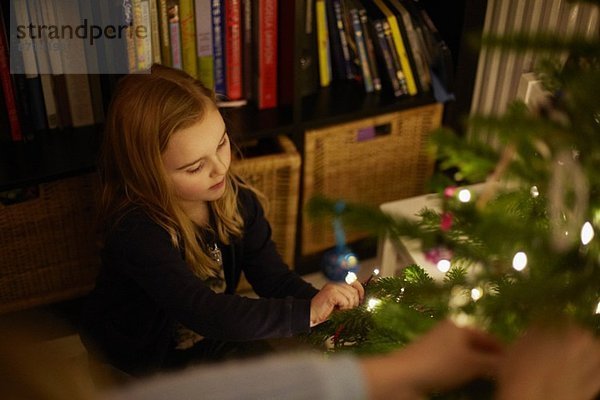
[48, 251]
[369, 161]
[275, 171]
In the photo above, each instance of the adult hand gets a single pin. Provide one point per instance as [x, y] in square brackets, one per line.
[335, 296]
[444, 358]
[551, 362]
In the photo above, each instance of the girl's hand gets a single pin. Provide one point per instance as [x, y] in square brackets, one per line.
[335, 296]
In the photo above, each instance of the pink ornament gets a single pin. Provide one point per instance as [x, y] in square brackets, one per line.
[435, 254]
[449, 191]
[446, 221]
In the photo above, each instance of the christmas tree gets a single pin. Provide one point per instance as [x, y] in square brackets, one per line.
[522, 248]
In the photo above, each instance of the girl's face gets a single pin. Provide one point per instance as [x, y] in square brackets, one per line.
[197, 159]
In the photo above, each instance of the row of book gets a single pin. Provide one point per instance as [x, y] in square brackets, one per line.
[243, 49]
[230, 45]
[379, 42]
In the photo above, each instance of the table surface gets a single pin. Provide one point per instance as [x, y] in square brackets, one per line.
[395, 255]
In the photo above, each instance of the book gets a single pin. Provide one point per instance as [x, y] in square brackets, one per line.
[247, 49]
[143, 41]
[74, 66]
[416, 51]
[59, 83]
[155, 32]
[165, 36]
[385, 55]
[341, 32]
[7, 83]
[400, 46]
[92, 63]
[286, 52]
[233, 49]
[323, 44]
[265, 31]
[174, 33]
[204, 42]
[368, 37]
[361, 46]
[218, 36]
[189, 56]
[26, 71]
[43, 63]
[309, 58]
[439, 54]
[386, 49]
[338, 63]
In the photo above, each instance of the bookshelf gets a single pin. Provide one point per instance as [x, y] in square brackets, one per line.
[57, 155]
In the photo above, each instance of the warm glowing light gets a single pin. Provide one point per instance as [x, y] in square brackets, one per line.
[464, 195]
[351, 278]
[519, 261]
[534, 191]
[443, 265]
[372, 303]
[376, 271]
[598, 308]
[352, 260]
[476, 293]
[587, 233]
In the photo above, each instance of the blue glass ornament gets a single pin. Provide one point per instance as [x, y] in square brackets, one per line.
[339, 261]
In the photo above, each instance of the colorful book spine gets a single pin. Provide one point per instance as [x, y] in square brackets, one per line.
[341, 32]
[174, 33]
[189, 55]
[204, 43]
[247, 49]
[323, 44]
[165, 39]
[218, 37]
[361, 48]
[395, 57]
[400, 46]
[142, 42]
[386, 56]
[266, 93]
[371, 57]
[233, 49]
[155, 32]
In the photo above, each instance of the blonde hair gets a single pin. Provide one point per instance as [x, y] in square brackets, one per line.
[146, 110]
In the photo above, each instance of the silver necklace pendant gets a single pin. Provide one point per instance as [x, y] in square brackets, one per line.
[215, 253]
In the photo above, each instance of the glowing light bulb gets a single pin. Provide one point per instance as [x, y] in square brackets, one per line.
[464, 195]
[376, 271]
[443, 265]
[598, 308]
[534, 191]
[587, 233]
[372, 303]
[351, 278]
[519, 261]
[476, 293]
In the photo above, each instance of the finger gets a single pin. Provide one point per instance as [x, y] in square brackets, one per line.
[351, 294]
[344, 297]
[361, 290]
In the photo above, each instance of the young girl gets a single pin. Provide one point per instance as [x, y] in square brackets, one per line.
[179, 228]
